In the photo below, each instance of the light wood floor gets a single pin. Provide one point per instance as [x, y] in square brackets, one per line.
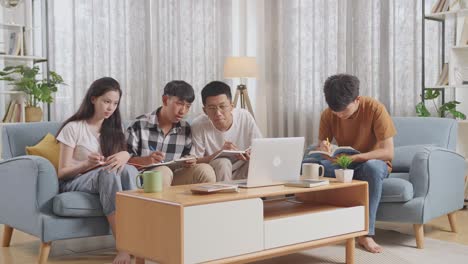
[24, 248]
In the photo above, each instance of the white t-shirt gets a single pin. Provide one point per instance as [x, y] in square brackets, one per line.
[78, 135]
[206, 139]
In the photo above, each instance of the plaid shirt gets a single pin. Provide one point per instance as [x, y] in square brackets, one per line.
[144, 136]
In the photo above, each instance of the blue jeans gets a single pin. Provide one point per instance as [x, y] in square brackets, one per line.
[371, 171]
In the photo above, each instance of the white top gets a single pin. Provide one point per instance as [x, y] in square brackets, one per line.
[206, 139]
[78, 135]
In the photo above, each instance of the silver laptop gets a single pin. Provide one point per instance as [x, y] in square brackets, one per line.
[274, 161]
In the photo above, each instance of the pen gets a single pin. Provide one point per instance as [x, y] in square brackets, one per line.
[153, 150]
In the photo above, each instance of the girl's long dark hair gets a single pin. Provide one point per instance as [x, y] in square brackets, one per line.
[112, 138]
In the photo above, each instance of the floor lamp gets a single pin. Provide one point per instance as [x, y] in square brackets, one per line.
[243, 68]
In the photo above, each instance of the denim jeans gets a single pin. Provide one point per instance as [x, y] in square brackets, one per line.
[371, 171]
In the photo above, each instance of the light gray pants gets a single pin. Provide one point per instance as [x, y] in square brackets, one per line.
[225, 170]
[104, 183]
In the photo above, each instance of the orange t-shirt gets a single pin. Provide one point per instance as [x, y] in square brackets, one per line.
[368, 125]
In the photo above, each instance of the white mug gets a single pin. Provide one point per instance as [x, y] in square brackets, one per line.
[312, 171]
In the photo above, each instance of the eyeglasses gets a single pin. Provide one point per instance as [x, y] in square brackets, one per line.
[221, 108]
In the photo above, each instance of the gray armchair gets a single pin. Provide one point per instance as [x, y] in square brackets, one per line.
[29, 196]
[427, 180]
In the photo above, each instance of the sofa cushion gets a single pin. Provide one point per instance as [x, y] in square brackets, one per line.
[396, 190]
[404, 157]
[399, 175]
[77, 204]
[47, 148]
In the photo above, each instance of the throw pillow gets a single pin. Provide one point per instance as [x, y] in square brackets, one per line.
[47, 148]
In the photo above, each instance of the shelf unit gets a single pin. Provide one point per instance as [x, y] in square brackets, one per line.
[454, 56]
[444, 15]
[34, 59]
[27, 57]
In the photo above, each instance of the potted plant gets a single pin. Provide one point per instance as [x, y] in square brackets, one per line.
[447, 109]
[25, 79]
[344, 174]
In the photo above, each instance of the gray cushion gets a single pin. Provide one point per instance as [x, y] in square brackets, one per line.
[17, 136]
[396, 190]
[399, 175]
[404, 157]
[77, 204]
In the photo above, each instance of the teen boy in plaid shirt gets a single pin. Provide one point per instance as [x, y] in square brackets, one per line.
[163, 136]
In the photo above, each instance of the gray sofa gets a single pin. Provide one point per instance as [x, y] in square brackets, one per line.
[29, 195]
[427, 180]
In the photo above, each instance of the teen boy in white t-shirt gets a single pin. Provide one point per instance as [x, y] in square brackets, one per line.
[223, 128]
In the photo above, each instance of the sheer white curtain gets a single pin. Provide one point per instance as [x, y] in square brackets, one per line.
[378, 41]
[143, 44]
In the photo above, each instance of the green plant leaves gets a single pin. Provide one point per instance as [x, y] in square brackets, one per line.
[431, 94]
[421, 110]
[448, 107]
[457, 114]
[343, 161]
[24, 78]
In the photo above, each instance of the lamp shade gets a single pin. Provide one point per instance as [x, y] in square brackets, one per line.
[240, 67]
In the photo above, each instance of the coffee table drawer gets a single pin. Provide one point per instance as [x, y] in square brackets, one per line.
[221, 230]
[307, 224]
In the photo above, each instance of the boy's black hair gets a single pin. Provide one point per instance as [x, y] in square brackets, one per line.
[341, 90]
[180, 89]
[215, 88]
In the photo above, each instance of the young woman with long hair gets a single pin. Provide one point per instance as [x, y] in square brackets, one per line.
[93, 156]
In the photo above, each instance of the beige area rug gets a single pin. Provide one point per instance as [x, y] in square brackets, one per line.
[398, 248]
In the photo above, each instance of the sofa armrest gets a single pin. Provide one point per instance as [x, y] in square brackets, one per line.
[437, 174]
[28, 185]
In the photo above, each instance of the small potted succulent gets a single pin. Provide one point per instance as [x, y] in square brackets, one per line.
[344, 174]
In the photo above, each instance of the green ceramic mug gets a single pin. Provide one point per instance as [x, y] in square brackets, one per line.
[152, 181]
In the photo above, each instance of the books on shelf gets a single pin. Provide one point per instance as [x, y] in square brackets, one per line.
[439, 6]
[445, 6]
[175, 162]
[444, 76]
[15, 112]
[307, 183]
[214, 188]
[15, 43]
[462, 31]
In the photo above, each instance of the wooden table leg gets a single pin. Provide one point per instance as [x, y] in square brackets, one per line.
[350, 245]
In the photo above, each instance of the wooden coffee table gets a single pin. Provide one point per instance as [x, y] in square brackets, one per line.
[175, 226]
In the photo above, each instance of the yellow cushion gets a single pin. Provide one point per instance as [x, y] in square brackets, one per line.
[47, 148]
